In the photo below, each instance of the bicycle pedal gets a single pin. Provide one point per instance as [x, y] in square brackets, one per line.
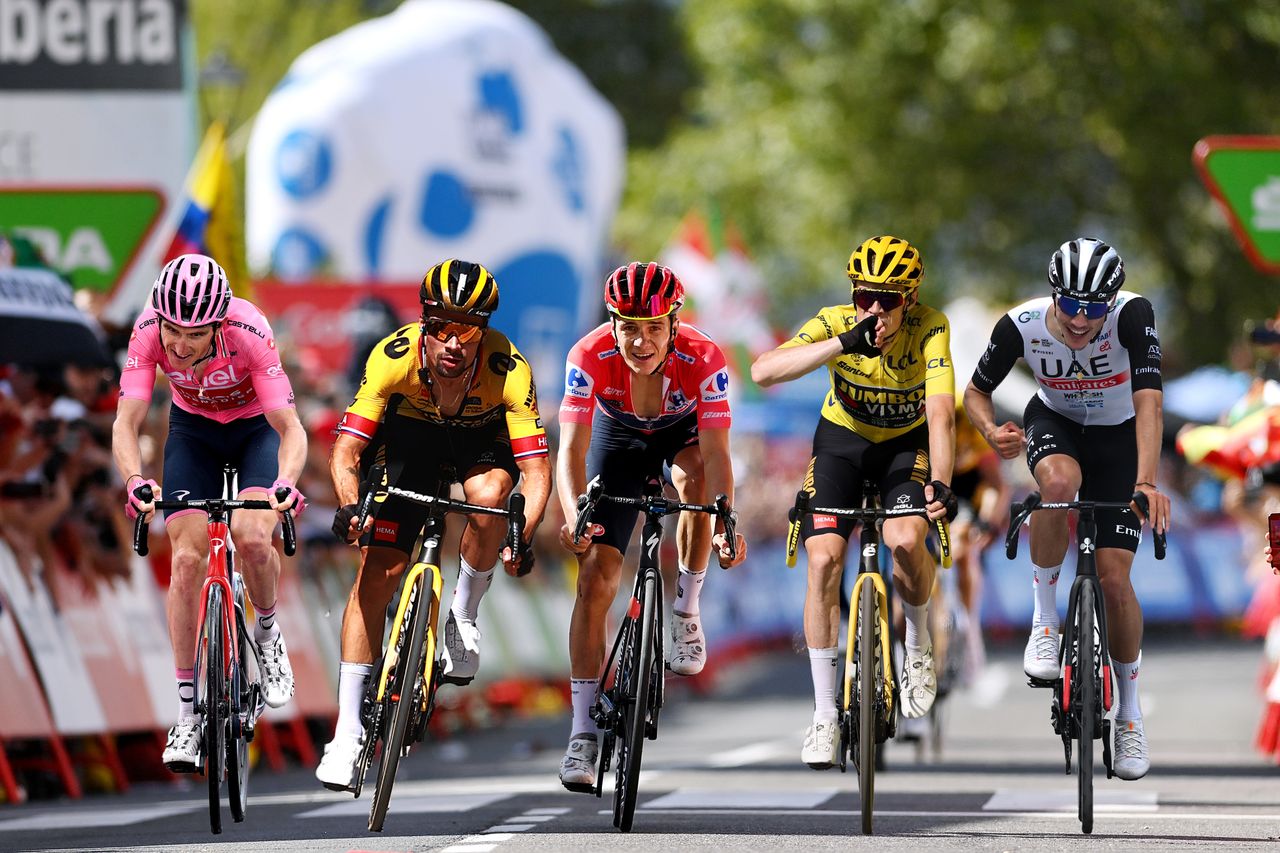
[1040, 682]
[458, 680]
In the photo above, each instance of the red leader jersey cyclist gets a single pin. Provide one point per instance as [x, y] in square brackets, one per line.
[1092, 429]
[641, 390]
[232, 403]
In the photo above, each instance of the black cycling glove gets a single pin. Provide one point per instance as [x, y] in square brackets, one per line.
[942, 494]
[861, 339]
[526, 560]
[342, 522]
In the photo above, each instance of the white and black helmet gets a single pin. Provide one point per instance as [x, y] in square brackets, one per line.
[1086, 269]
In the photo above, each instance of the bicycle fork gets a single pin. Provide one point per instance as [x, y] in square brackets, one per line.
[1063, 713]
[882, 609]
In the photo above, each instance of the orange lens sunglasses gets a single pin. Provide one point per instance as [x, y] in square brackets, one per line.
[443, 330]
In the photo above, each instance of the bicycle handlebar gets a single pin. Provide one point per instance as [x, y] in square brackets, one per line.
[514, 513]
[801, 508]
[656, 504]
[1019, 512]
[211, 505]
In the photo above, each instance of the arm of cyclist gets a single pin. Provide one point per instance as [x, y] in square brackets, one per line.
[571, 481]
[1148, 404]
[290, 459]
[940, 416]
[717, 469]
[130, 415]
[1007, 439]
[344, 468]
[815, 345]
[535, 485]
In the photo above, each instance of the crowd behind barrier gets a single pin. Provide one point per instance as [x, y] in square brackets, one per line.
[84, 651]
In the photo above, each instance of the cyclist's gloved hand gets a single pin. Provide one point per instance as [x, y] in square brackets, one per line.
[942, 494]
[293, 500]
[526, 559]
[861, 339]
[342, 522]
[133, 504]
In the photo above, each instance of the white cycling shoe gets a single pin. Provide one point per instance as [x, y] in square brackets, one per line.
[821, 745]
[919, 685]
[1131, 760]
[182, 747]
[461, 650]
[688, 645]
[578, 767]
[277, 674]
[337, 769]
[1040, 658]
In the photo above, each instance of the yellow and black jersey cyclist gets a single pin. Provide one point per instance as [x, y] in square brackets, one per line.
[445, 399]
[889, 419]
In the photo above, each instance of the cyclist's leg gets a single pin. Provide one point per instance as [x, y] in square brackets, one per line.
[693, 544]
[1053, 456]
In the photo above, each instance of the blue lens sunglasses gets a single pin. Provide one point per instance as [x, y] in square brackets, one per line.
[1071, 306]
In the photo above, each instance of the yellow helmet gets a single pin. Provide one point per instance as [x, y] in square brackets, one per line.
[886, 260]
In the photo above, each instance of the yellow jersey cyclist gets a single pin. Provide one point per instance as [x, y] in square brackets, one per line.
[446, 398]
[889, 419]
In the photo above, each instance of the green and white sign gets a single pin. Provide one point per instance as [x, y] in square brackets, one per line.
[92, 235]
[1243, 173]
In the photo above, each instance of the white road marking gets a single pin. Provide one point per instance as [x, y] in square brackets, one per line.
[96, 817]
[469, 848]
[537, 818]
[548, 811]
[756, 753]
[692, 798]
[1022, 800]
[1146, 815]
[510, 827]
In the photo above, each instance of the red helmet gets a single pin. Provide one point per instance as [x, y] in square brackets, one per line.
[643, 292]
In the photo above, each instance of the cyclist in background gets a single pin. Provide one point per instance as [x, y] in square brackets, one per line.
[1093, 428]
[888, 418]
[641, 390]
[446, 399]
[232, 403]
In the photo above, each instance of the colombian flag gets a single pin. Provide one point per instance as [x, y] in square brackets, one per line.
[210, 222]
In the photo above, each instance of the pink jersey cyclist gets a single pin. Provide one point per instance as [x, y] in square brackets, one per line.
[695, 378]
[244, 377]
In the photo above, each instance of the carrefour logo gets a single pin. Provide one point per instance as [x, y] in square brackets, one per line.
[303, 163]
[577, 383]
[716, 388]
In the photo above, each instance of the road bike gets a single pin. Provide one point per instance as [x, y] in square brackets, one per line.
[400, 698]
[228, 693]
[868, 709]
[1083, 690]
[629, 696]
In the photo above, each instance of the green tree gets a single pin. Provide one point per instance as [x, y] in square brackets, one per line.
[987, 132]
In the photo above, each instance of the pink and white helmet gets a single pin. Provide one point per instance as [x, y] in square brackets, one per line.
[191, 290]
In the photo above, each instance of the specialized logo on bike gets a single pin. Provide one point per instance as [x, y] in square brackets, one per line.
[652, 543]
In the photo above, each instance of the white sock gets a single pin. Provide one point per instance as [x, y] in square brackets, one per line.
[1129, 707]
[688, 590]
[824, 665]
[352, 679]
[1045, 584]
[186, 692]
[583, 693]
[917, 640]
[265, 629]
[472, 585]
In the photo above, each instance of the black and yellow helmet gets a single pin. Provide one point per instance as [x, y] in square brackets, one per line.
[886, 260]
[455, 287]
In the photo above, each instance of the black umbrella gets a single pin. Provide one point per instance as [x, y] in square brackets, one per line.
[40, 324]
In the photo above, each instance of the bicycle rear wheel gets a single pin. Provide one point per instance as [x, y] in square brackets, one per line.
[636, 673]
[215, 702]
[1085, 698]
[402, 693]
[868, 691]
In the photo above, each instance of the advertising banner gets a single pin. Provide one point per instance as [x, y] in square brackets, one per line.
[448, 128]
[95, 130]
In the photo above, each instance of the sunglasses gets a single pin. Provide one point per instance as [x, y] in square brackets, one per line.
[1072, 307]
[865, 297]
[443, 330]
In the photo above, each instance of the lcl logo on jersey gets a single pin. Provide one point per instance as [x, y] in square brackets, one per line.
[716, 388]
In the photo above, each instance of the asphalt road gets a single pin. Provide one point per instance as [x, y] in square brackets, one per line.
[725, 775]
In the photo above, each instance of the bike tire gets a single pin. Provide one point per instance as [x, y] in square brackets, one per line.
[215, 703]
[868, 693]
[237, 740]
[402, 695]
[1085, 698]
[635, 709]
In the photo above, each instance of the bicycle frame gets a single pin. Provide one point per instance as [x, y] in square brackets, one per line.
[427, 561]
[869, 572]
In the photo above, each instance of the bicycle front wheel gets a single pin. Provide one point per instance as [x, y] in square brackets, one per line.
[237, 739]
[1085, 698]
[402, 693]
[636, 672]
[215, 702]
[868, 693]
